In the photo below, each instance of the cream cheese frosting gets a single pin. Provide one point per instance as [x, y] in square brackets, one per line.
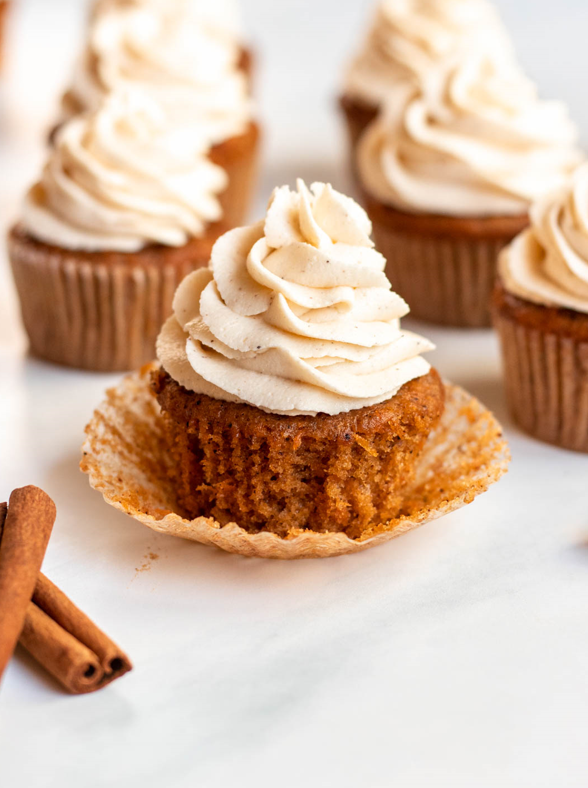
[176, 54]
[409, 38]
[120, 178]
[475, 140]
[548, 263]
[295, 314]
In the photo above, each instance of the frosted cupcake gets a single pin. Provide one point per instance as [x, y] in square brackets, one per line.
[4, 8]
[540, 310]
[448, 176]
[124, 209]
[408, 40]
[291, 396]
[186, 57]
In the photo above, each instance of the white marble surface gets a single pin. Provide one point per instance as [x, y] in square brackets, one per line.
[455, 656]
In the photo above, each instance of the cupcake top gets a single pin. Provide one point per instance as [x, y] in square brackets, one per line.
[175, 53]
[410, 38]
[120, 178]
[548, 263]
[474, 141]
[295, 314]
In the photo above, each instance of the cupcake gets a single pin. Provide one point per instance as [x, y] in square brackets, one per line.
[448, 176]
[4, 6]
[408, 40]
[125, 208]
[294, 416]
[187, 55]
[291, 396]
[540, 309]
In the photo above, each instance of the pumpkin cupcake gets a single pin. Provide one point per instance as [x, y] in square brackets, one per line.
[540, 309]
[187, 57]
[291, 396]
[407, 40]
[448, 176]
[125, 208]
[4, 8]
[294, 417]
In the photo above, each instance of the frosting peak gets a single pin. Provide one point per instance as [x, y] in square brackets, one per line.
[548, 263]
[474, 140]
[295, 314]
[178, 53]
[121, 178]
[410, 38]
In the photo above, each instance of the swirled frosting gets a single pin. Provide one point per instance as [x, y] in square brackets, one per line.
[548, 263]
[295, 314]
[409, 38]
[474, 141]
[173, 52]
[120, 178]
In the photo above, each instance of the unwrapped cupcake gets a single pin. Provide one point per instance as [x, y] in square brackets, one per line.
[125, 208]
[540, 310]
[409, 39]
[296, 416]
[448, 175]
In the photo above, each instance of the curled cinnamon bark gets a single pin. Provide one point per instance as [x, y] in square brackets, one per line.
[25, 529]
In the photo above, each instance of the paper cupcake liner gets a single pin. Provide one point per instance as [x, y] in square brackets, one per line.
[546, 379]
[91, 316]
[444, 280]
[125, 456]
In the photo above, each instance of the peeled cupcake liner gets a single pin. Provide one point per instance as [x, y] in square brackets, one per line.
[446, 280]
[125, 456]
[546, 376]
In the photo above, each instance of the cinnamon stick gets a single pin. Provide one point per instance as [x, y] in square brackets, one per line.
[25, 529]
[68, 660]
[95, 662]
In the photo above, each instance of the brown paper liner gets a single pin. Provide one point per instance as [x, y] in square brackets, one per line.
[88, 315]
[103, 311]
[546, 376]
[125, 456]
[444, 268]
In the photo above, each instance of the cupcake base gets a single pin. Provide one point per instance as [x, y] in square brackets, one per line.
[99, 311]
[444, 267]
[126, 458]
[274, 473]
[545, 352]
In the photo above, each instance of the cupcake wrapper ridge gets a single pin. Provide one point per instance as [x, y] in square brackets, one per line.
[546, 383]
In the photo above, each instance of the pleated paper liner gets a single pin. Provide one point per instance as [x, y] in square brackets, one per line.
[443, 267]
[546, 378]
[89, 315]
[126, 460]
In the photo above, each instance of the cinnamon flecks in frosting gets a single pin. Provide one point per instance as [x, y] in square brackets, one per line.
[295, 314]
[548, 263]
[475, 140]
[410, 38]
[176, 52]
[121, 178]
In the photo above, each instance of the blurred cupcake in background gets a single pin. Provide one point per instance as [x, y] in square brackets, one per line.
[127, 205]
[448, 175]
[185, 56]
[407, 40]
[4, 8]
[540, 309]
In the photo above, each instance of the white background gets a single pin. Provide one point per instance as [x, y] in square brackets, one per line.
[456, 656]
